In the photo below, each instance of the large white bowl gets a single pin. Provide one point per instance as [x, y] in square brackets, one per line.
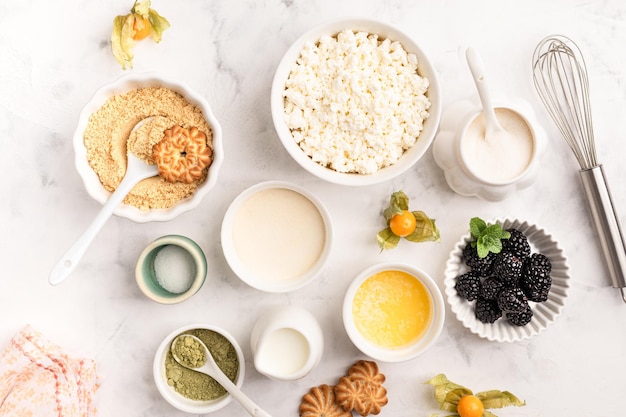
[410, 156]
[122, 85]
[174, 398]
[544, 314]
[419, 346]
[249, 276]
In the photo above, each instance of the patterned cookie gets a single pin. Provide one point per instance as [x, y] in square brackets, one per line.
[182, 155]
[320, 402]
[361, 390]
[366, 371]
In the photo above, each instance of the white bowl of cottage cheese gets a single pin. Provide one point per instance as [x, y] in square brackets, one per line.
[356, 102]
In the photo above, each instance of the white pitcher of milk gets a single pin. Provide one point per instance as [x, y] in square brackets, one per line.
[287, 343]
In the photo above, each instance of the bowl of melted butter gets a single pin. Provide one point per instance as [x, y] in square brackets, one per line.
[393, 312]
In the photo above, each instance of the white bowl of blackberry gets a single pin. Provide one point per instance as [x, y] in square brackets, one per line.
[506, 280]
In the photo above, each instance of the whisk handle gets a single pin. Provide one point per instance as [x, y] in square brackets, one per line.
[607, 224]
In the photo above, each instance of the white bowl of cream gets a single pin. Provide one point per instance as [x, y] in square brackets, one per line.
[476, 167]
[276, 236]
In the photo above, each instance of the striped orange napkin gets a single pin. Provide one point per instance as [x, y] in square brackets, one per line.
[38, 379]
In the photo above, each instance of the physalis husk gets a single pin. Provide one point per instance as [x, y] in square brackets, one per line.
[425, 229]
[124, 28]
[448, 394]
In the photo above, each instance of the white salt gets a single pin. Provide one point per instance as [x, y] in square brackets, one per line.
[174, 269]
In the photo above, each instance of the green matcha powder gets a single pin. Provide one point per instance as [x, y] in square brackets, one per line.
[198, 386]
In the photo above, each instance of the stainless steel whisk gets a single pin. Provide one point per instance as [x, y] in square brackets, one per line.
[560, 77]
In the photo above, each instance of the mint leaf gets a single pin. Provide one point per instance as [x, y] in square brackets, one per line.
[487, 238]
[477, 225]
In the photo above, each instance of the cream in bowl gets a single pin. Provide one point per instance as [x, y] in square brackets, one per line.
[276, 236]
[191, 391]
[393, 312]
[169, 111]
[495, 162]
[355, 102]
[489, 170]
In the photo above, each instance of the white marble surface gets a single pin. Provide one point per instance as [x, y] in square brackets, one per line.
[54, 55]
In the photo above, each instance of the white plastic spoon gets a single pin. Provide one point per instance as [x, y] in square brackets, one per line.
[211, 369]
[493, 130]
[136, 171]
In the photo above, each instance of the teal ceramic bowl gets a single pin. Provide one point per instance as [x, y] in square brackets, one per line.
[158, 273]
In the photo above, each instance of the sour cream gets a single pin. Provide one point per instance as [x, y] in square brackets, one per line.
[498, 162]
[278, 234]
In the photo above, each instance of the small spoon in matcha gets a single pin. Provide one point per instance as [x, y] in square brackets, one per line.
[192, 353]
[136, 170]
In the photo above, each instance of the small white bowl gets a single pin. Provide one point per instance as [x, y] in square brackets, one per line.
[544, 314]
[169, 393]
[410, 156]
[122, 85]
[423, 342]
[146, 276]
[244, 270]
[448, 151]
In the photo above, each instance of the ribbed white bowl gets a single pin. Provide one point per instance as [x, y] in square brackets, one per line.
[544, 314]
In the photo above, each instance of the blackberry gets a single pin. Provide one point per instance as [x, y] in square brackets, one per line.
[517, 244]
[483, 266]
[468, 285]
[512, 300]
[539, 261]
[491, 288]
[507, 267]
[487, 311]
[535, 282]
[521, 318]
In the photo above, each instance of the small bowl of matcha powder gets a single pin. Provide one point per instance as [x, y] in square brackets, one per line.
[192, 391]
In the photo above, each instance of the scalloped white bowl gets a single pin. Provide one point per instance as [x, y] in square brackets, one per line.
[92, 183]
[544, 314]
[410, 156]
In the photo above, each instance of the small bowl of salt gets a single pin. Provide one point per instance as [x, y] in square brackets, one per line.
[171, 269]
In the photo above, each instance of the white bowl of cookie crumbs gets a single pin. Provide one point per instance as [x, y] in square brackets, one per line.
[356, 102]
[173, 113]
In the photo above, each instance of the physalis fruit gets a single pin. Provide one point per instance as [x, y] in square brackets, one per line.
[135, 26]
[462, 401]
[414, 226]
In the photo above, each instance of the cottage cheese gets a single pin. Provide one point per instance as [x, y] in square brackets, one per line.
[355, 103]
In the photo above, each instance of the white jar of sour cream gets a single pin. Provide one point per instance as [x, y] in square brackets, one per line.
[489, 170]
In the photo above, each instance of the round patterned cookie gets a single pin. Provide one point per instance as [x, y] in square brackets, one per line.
[362, 397]
[182, 155]
[366, 371]
[320, 402]
[361, 389]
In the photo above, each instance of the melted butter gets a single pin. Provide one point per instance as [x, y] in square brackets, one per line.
[392, 309]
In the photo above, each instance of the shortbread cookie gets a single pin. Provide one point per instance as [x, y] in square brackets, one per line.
[320, 402]
[366, 371]
[362, 390]
[182, 154]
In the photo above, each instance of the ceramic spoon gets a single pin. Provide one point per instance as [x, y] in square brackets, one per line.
[211, 369]
[136, 171]
[493, 130]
